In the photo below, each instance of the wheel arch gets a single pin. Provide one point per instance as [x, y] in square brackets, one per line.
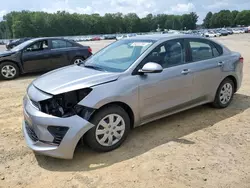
[123, 105]
[18, 65]
[231, 77]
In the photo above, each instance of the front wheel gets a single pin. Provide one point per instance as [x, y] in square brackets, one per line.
[8, 70]
[224, 94]
[112, 125]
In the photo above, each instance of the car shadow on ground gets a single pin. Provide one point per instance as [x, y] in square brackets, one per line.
[149, 136]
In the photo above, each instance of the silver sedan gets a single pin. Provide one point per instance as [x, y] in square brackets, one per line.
[129, 83]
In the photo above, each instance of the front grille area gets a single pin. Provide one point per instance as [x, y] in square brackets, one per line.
[31, 133]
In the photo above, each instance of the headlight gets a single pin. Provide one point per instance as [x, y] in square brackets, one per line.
[63, 105]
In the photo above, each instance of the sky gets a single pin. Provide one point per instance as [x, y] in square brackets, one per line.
[141, 7]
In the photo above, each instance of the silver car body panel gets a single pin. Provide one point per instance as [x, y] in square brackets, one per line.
[72, 78]
[150, 96]
[39, 122]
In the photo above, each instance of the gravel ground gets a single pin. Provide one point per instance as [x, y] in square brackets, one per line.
[202, 147]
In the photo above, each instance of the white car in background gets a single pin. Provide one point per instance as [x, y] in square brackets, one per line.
[236, 31]
[218, 34]
[210, 34]
[88, 38]
[119, 37]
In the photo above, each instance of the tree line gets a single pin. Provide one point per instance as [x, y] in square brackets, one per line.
[39, 24]
[227, 18]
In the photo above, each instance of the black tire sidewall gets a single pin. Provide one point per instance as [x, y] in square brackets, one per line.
[13, 65]
[75, 58]
[90, 137]
[217, 103]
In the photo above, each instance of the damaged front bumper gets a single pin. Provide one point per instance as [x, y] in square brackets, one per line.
[39, 137]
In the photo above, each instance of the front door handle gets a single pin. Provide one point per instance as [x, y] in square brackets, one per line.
[185, 71]
[220, 63]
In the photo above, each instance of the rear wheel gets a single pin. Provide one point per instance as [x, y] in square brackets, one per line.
[224, 94]
[112, 125]
[8, 70]
[77, 60]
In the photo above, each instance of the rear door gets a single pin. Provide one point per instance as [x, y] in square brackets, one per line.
[207, 63]
[36, 57]
[60, 53]
[160, 93]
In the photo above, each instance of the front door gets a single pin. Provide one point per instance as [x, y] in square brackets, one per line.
[36, 57]
[169, 90]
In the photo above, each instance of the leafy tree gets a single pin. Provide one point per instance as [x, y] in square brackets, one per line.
[243, 18]
[234, 15]
[207, 20]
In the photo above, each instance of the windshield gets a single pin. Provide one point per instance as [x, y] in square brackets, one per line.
[22, 45]
[118, 56]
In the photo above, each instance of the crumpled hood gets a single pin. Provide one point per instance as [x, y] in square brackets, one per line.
[72, 78]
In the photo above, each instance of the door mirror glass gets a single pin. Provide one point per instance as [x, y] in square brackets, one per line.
[151, 67]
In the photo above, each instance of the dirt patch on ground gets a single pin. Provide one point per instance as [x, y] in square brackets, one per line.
[202, 147]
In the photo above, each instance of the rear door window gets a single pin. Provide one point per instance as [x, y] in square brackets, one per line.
[203, 50]
[200, 51]
[58, 44]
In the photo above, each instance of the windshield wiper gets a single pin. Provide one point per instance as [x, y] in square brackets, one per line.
[95, 67]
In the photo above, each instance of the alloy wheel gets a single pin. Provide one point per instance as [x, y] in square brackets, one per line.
[77, 61]
[8, 71]
[226, 93]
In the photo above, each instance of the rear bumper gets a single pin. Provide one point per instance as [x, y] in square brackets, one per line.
[39, 121]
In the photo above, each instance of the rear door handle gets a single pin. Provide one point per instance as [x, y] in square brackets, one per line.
[185, 71]
[221, 64]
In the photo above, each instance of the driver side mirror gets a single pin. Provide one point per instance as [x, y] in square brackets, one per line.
[151, 67]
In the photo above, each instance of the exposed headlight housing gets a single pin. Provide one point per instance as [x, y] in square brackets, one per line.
[64, 105]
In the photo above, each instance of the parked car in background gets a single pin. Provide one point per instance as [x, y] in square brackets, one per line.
[210, 34]
[230, 31]
[96, 38]
[109, 37]
[88, 38]
[218, 34]
[119, 37]
[14, 43]
[127, 84]
[241, 30]
[223, 32]
[41, 54]
[236, 31]
[248, 29]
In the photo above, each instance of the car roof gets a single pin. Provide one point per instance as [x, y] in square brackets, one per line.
[158, 37]
[46, 38]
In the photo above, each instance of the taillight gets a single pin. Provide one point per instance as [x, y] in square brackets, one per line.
[90, 50]
[241, 59]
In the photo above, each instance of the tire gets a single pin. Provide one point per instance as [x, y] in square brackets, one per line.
[223, 100]
[94, 141]
[9, 71]
[77, 60]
